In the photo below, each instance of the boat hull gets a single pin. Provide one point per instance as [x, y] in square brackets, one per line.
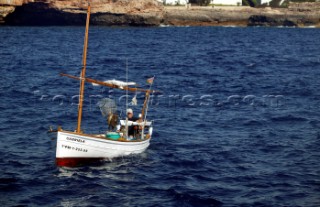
[75, 149]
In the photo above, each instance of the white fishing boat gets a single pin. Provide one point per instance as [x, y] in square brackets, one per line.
[75, 147]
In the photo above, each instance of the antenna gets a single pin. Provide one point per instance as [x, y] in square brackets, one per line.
[127, 83]
[126, 99]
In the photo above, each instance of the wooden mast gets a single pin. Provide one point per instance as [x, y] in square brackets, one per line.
[83, 72]
[145, 104]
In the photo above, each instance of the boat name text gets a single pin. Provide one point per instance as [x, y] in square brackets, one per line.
[75, 139]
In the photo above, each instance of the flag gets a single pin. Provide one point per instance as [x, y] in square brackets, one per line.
[150, 80]
[134, 101]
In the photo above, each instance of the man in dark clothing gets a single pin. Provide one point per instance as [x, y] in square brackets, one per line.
[131, 129]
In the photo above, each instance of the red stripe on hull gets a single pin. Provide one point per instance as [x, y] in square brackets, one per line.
[76, 162]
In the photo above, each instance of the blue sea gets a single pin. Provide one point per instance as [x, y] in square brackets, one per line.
[237, 122]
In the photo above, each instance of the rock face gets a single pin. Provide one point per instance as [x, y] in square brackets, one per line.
[298, 14]
[152, 13]
[301, 15]
[208, 16]
[73, 12]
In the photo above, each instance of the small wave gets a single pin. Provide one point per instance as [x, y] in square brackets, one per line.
[309, 27]
[286, 27]
[253, 123]
[16, 163]
[288, 118]
[164, 25]
[193, 199]
[231, 26]
[9, 184]
[8, 180]
[187, 164]
[314, 123]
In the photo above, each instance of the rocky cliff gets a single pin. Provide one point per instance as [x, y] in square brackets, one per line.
[152, 13]
[72, 12]
[296, 15]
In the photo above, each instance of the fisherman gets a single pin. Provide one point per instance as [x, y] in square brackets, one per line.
[132, 130]
[130, 115]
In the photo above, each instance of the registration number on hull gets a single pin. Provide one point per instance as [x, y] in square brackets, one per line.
[79, 149]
